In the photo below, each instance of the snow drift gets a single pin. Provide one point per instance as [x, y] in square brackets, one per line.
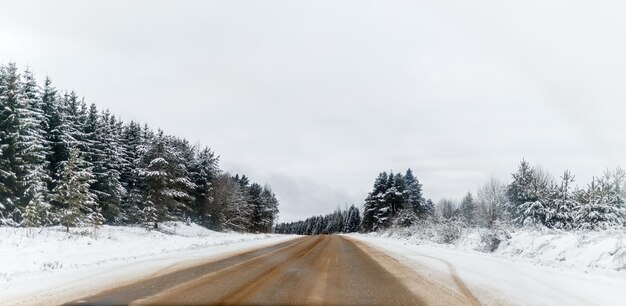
[583, 250]
[29, 251]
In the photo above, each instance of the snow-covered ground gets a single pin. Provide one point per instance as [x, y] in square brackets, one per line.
[530, 268]
[41, 266]
[587, 251]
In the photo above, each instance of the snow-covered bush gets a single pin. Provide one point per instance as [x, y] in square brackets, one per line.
[449, 232]
[490, 239]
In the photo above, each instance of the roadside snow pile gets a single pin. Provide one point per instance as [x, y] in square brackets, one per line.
[27, 251]
[605, 250]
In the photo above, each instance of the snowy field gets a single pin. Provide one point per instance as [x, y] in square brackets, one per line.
[41, 266]
[530, 268]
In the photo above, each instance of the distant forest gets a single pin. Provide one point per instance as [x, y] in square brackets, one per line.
[64, 162]
[533, 198]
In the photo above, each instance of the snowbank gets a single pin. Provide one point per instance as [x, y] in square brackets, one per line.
[604, 250]
[583, 250]
[37, 259]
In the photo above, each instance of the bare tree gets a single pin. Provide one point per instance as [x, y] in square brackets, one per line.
[491, 201]
[446, 209]
[229, 208]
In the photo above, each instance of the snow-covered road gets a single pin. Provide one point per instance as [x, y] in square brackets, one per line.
[504, 280]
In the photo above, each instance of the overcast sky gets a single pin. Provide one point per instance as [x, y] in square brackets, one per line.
[317, 97]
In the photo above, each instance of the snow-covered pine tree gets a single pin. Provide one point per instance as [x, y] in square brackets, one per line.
[72, 190]
[165, 179]
[617, 181]
[601, 205]
[395, 194]
[11, 165]
[563, 203]
[527, 196]
[354, 220]
[335, 222]
[372, 203]
[269, 209]
[114, 153]
[31, 217]
[202, 171]
[4, 190]
[131, 150]
[382, 209]
[254, 198]
[35, 176]
[107, 162]
[56, 141]
[413, 195]
[467, 209]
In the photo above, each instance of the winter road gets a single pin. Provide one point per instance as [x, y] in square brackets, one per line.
[314, 270]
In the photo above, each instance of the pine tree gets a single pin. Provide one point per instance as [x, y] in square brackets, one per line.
[269, 209]
[527, 195]
[468, 209]
[107, 162]
[57, 142]
[563, 204]
[382, 209]
[31, 216]
[601, 205]
[11, 165]
[256, 217]
[373, 203]
[202, 172]
[35, 176]
[72, 190]
[165, 180]
[413, 195]
[131, 149]
[353, 221]
[394, 196]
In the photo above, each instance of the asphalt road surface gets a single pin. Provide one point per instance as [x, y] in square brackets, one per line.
[313, 270]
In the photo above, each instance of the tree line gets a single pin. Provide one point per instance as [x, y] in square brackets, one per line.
[65, 162]
[533, 198]
[341, 221]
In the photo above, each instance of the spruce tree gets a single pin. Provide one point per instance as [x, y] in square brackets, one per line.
[72, 190]
[35, 177]
[374, 203]
[165, 180]
[528, 196]
[413, 195]
[131, 150]
[11, 165]
[563, 204]
[382, 210]
[601, 205]
[107, 163]
[57, 142]
[202, 172]
[256, 216]
[468, 209]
